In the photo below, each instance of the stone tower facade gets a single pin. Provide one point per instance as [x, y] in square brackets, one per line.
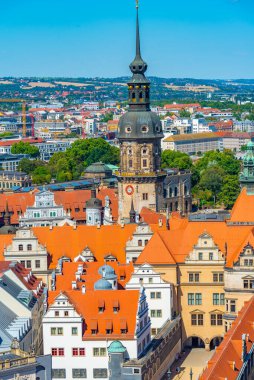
[140, 178]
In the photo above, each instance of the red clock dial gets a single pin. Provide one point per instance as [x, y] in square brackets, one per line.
[129, 190]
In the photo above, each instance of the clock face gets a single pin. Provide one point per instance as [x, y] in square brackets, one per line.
[129, 190]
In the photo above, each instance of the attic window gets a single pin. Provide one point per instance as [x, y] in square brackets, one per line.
[144, 129]
[101, 306]
[123, 326]
[94, 327]
[115, 306]
[128, 129]
[109, 326]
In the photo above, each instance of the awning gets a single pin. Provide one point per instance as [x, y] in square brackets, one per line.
[116, 303]
[101, 303]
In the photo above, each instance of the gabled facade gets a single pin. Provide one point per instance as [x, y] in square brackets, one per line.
[44, 212]
[79, 327]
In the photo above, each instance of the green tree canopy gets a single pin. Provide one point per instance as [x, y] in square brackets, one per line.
[174, 159]
[25, 148]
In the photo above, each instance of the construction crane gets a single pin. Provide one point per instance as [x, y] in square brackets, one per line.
[23, 111]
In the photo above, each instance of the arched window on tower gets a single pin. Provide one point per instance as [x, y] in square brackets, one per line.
[186, 192]
[130, 163]
[170, 192]
[144, 151]
[141, 96]
[133, 97]
[176, 191]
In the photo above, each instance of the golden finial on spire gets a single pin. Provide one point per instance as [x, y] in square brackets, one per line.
[137, 3]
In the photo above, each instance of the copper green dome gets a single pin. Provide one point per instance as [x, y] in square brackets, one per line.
[116, 347]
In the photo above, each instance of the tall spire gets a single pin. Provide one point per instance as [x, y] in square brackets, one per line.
[138, 66]
[138, 52]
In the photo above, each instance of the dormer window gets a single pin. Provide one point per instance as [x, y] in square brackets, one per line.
[20, 247]
[123, 326]
[116, 306]
[128, 129]
[101, 306]
[109, 327]
[144, 129]
[200, 256]
[94, 327]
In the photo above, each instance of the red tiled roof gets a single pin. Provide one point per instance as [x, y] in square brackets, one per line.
[30, 141]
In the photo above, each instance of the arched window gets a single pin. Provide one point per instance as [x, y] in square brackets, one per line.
[146, 242]
[144, 151]
[20, 247]
[176, 191]
[130, 163]
[140, 243]
[144, 129]
[186, 192]
[170, 192]
[29, 247]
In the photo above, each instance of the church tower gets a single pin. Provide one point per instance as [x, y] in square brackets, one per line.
[140, 132]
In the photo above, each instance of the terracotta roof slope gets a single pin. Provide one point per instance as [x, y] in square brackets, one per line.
[151, 217]
[155, 252]
[243, 210]
[227, 362]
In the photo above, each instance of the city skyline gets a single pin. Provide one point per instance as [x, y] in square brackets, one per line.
[201, 40]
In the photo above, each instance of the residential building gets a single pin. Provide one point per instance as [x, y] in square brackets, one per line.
[159, 295]
[18, 364]
[80, 325]
[48, 148]
[44, 212]
[90, 126]
[233, 140]
[200, 125]
[26, 249]
[91, 106]
[183, 125]
[193, 143]
[244, 126]
[21, 307]
[10, 162]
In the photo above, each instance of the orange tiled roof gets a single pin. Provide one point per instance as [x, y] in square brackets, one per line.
[227, 360]
[151, 217]
[68, 241]
[87, 306]
[4, 241]
[179, 241]
[74, 200]
[91, 275]
[243, 210]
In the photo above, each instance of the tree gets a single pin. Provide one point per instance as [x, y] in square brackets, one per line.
[25, 148]
[230, 190]
[41, 175]
[184, 113]
[28, 166]
[174, 159]
[212, 179]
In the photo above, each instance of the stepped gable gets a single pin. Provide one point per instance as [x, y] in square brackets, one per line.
[227, 360]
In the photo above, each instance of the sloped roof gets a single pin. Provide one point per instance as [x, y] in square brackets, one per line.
[155, 252]
[220, 366]
[149, 216]
[70, 242]
[243, 210]
[91, 275]
[87, 306]
[74, 200]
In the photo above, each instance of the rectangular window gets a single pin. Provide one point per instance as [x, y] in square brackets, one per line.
[79, 373]
[232, 306]
[66, 313]
[74, 331]
[59, 373]
[54, 351]
[145, 196]
[156, 313]
[75, 352]
[197, 319]
[200, 256]
[190, 298]
[218, 277]
[60, 351]
[248, 284]
[37, 264]
[155, 295]
[28, 264]
[216, 319]
[59, 331]
[194, 277]
[100, 373]
[56, 313]
[53, 331]
[198, 299]
[210, 256]
[144, 163]
[99, 351]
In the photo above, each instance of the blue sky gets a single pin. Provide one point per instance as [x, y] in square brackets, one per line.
[185, 38]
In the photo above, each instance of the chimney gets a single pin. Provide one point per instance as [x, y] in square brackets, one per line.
[77, 275]
[160, 222]
[98, 225]
[83, 289]
[74, 285]
[51, 227]
[75, 226]
[80, 269]
[232, 365]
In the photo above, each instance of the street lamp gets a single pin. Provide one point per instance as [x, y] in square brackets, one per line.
[169, 374]
[191, 374]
